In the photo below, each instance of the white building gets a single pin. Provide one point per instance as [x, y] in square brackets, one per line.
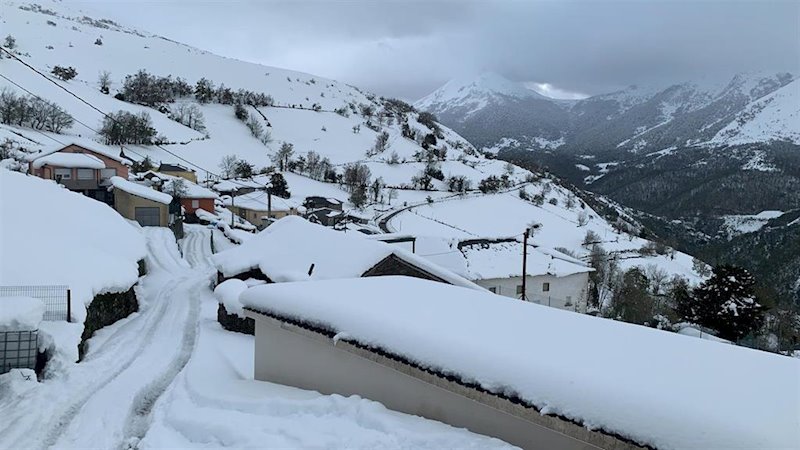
[553, 278]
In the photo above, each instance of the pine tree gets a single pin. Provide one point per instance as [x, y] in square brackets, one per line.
[279, 187]
[726, 303]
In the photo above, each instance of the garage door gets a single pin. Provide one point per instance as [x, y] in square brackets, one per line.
[148, 216]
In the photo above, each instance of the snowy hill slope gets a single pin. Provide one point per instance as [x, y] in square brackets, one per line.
[291, 118]
[302, 113]
[773, 117]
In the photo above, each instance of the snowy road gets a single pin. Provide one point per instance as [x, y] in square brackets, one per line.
[170, 376]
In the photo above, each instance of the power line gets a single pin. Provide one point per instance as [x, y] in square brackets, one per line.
[15, 57]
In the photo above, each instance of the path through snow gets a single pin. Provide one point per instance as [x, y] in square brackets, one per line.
[170, 376]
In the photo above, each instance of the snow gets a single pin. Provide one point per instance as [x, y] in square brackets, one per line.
[473, 93]
[257, 201]
[170, 376]
[45, 227]
[140, 190]
[678, 392]
[746, 223]
[773, 117]
[20, 313]
[504, 260]
[69, 160]
[105, 150]
[228, 293]
[193, 190]
[275, 251]
[583, 167]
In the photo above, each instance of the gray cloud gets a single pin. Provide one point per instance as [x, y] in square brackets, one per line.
[409, 48]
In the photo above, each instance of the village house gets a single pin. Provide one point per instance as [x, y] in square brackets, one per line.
[325, 211]
[553, 278]
[81, 167]
[192, 198]
[137, 202]
[177, 170]
[259, 208]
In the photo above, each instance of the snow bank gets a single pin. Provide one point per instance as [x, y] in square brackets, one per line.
[20, 313]
[140, 191]
[228, 293]
[50, 235]
[655, 387]
[287, 249]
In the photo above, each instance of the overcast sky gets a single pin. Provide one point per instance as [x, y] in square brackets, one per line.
[409, 48]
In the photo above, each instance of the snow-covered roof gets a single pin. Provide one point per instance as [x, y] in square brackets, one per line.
[285, 251]
[257, 201]
[485, 260]
[20, 313]
[193, 190]
[140, 190]
[88, 144]
[235, 185]
[652, 386]
[69, 160]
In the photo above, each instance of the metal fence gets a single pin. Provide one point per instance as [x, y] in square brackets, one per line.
[56, 299]
[18, 350]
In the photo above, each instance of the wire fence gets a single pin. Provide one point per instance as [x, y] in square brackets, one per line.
[56, 299]
[18, 350]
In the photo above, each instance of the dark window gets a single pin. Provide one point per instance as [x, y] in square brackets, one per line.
[148, 216]
[519, 289]
[545, 287]
[493, 290]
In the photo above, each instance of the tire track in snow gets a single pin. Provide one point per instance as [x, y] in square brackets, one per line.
[66, 417]
[139, 417]
[158, 248]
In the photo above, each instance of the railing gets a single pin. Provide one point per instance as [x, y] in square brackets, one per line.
[56, 299]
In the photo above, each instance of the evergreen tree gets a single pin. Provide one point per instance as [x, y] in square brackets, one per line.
[279, 187]
[204, 90]
[726, 303]
[632, 301]
[358, 195]
[64, 73]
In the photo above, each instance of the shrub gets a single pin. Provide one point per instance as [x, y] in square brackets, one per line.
[490, 184]
[64, 73]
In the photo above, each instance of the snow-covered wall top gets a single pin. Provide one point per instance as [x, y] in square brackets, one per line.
[50, 235]
[679, 392]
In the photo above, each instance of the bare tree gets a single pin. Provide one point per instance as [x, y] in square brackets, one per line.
[228, 166]
[104, 82]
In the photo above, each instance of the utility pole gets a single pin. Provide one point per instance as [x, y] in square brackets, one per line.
[525, 265]
[232, 196]
[528, 232]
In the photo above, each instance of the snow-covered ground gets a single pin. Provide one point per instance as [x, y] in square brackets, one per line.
[170, 376]
[740, 224]
[506, 215]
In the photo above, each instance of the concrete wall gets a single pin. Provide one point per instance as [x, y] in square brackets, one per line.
[126, 204]
[572, 288]
[255, 216]
[290, 355]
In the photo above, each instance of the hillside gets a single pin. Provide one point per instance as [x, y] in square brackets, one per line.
[301, 108]
[339, 123]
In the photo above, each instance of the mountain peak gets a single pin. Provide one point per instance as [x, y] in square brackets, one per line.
[477, 91]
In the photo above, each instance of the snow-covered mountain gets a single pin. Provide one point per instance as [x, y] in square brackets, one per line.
[636, 119]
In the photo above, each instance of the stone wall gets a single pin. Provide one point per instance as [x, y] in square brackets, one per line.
[104, 310]
[232, 322]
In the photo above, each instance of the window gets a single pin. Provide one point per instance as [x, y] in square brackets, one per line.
[195, 204]
[105, 174]
[519, 289]
[545, 287]
[86, 174]
[493, 290]
[64, 174]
